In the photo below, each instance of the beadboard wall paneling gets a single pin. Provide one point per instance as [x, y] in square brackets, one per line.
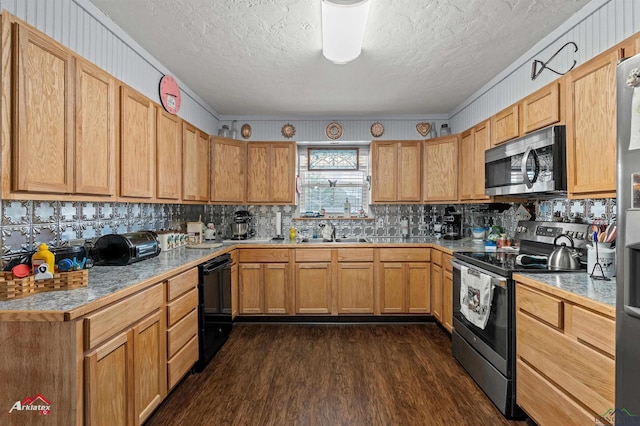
[352, 129]
[605, 24]
[83, 28]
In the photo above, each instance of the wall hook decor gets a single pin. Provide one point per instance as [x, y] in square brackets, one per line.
[535, 72]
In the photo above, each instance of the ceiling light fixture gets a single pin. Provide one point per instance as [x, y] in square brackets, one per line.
[343, 24]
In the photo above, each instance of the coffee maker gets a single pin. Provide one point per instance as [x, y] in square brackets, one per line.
[240, 226]
[452, 224]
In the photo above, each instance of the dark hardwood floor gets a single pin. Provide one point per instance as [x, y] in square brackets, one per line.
[331, 375]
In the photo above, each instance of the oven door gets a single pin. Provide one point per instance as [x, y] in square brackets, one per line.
[495, 342]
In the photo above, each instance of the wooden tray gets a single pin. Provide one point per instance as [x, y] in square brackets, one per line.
[16, 288]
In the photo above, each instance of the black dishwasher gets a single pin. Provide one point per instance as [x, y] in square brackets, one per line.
[214, 308]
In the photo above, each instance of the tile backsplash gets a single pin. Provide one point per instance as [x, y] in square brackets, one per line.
[27, 223]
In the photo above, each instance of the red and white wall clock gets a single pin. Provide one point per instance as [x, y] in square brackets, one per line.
[170, 94]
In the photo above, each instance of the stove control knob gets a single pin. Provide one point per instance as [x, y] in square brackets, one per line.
[579, 235]
[570, 234]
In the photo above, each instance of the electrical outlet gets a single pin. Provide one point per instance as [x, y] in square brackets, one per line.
[422, 227]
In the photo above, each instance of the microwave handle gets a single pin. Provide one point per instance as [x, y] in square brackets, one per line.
[523, 167]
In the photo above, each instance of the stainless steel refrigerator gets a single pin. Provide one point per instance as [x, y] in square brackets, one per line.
[628, 241]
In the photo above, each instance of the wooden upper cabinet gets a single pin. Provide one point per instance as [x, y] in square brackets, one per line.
[384, 171]
[195, 158]
[467, 151]
[283, 172]
[440, 169]
[168, 156]
[137, 144]
[96, 106]
[228, 165]
[482, 142]
[43, 125]
[542, 108]
[591, 128]
[629, 47]
[258, 154]
[473, 144]
[396, 171]
[271, 172]
[505, 125]
[409, 171]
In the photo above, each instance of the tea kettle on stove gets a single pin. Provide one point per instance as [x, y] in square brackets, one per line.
[563, 258]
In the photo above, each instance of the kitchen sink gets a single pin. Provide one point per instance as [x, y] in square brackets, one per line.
[337, 240]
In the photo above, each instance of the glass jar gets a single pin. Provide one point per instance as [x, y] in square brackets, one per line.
[445, 130]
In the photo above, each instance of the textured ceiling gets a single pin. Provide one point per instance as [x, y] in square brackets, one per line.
[264, 57]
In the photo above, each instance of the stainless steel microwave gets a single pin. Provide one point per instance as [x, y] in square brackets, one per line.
[533, 165]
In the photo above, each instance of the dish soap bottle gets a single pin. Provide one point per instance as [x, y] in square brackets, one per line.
[347, 208]
[43, 255]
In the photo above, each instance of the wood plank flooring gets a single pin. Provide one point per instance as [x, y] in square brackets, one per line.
[340, 374]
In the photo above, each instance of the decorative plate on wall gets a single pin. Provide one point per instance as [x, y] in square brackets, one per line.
[423, 128]
[377, 129]
[246, 131]
[288, 131]
[334, 130]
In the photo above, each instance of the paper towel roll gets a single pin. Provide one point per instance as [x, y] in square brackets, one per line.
[278, 223]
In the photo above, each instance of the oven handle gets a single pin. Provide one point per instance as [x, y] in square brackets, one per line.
[495, 279]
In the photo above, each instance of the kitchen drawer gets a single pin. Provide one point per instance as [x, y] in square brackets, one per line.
[180, 307]
[264, 255]
[109, 321]
[182, 332]
[542, 306]
[400, 254]
[180, 364]
[182, 283]
[585, 374]
[436, 257]
[355, 255]
[545, 403]
[313, 255]
[595, 329]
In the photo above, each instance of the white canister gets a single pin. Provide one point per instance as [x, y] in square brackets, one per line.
[606, 258]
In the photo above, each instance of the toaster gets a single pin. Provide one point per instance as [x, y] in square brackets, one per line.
[125, 249]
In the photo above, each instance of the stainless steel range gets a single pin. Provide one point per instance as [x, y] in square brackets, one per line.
[488, 353]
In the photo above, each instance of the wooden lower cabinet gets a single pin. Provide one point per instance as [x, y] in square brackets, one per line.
[182, 325]
[405, 288]
[109, 382]
[565, 356]
[313, 288]
[235, 292]
[447, 300]
[355, 288]
[149, 365]
[264, 288]
[125, 377]
[442, 288]
[436, 291]
[276, 288]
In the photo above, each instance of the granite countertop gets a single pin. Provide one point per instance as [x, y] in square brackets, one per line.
[109, 283]
[580, 284]
[107, 280]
